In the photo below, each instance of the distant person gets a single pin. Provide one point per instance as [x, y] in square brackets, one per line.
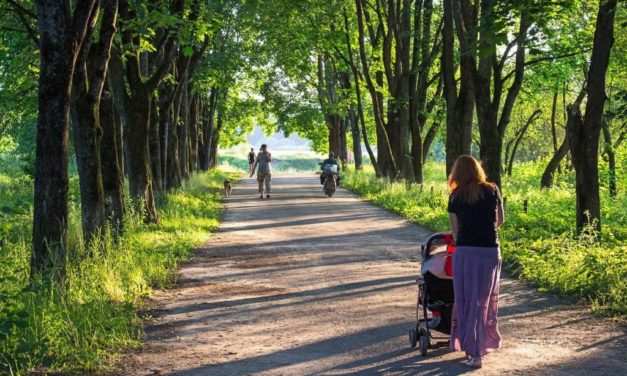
[263, 164]
[328, 166]
[251, 161]
[475, 213]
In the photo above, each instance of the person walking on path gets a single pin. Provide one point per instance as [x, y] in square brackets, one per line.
[251, 161]
[475, 213]
[263, 164]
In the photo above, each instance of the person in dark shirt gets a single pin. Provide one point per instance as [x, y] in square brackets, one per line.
[251, 160]
[331, 161]
[475, 213]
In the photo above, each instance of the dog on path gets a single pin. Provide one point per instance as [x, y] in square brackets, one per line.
[227, 188]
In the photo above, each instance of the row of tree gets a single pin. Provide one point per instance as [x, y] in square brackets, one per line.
[124, 75]
[149, 90]
[402, 73]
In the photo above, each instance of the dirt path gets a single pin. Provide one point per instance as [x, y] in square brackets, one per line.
[305, 285]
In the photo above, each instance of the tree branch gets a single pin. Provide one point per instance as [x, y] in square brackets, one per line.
[547, 58]
[21, 13]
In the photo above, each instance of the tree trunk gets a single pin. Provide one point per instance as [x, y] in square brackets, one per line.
[360, 111]
[154, 144]
[173, 165]
[611, 159]
[584, 135]
[61, 35]
[87, 135]
[183, 133]
[112, 176]
[115, 78]
[490, 151]
[88, 82]
[166, 108]
[193, 134]
[459, 104]
[335, 134]
[208, 130]
[385, 158]
[215, 132]
[554, 126]
[139, 170]
[549, 172]
[356, 135]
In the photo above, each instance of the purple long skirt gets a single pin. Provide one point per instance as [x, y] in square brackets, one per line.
[476, 272]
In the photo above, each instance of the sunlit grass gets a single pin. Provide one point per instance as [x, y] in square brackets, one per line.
[83, 324]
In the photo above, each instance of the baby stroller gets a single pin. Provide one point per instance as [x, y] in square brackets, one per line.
[435, 293]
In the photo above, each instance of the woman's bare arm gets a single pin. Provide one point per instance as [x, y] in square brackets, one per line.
[500, 215]
[452, 217]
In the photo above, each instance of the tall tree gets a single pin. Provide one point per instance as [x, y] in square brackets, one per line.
[88, 83]
[489, 80]
[584, 132]
[138, 100]
[61, 34]
[459, 101]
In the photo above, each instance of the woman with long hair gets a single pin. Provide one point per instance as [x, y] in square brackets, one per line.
[475, 213]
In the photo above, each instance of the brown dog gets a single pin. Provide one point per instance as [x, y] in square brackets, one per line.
[227, 188]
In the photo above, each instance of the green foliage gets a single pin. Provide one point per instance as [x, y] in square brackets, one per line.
[83, 323]
[538, 245]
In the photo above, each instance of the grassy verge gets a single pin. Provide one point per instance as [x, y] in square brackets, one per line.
[539, 244]
[83, 324]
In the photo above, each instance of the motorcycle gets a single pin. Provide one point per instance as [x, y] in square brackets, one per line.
[330, 184]
[330, 179]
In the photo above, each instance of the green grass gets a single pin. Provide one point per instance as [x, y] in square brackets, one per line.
[539, 245]
[82, 325]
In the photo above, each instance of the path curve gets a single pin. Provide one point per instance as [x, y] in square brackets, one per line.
[305, 285]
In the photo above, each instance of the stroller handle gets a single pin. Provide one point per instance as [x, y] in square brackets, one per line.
[447, 237]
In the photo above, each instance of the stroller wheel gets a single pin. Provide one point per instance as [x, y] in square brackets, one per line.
[413, 338]
[424, 341]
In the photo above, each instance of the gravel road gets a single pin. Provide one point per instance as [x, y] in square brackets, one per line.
[301, 284]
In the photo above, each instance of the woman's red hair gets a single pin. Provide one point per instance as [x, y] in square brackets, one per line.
[467, 178]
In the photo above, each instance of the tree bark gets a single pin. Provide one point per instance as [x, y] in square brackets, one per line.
[138, 152]
[459, 103]
[112, 174]
[356, 136]
[584, 134]
[221, 95]
[611, 159]
[166, 118]
[154, 144]
[88, 83]
[183, 132]
[193, 134]
[208, 130]
[61, 36]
